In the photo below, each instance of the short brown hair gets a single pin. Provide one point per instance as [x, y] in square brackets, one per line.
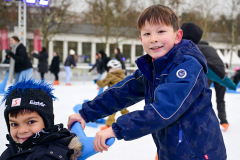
[15, 38]
[157, 14]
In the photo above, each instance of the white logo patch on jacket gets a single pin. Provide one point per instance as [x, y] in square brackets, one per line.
[181, 73]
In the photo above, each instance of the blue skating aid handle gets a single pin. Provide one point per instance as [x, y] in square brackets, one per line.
[87, 142]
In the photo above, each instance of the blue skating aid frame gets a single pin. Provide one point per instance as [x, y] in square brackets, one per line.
[87, 142]
[76, 109]
[4, 83]
[237, 91]
[101, 89]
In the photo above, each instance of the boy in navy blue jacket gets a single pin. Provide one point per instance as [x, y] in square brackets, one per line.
[172, 80]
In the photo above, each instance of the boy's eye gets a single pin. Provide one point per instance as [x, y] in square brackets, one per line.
[13, 124]
[146, 34]
[31, 122]
[161, 31]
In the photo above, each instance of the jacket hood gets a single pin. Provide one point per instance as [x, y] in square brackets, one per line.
[203, 42]
[191, 49]
[192, 32]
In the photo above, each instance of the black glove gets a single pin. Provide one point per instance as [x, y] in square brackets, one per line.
[9, 52]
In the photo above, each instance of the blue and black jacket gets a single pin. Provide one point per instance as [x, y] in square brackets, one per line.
[177, 112]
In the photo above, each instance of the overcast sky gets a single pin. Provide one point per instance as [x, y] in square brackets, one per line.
[217, 7]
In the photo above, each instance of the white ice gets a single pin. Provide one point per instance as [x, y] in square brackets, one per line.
[142, 148]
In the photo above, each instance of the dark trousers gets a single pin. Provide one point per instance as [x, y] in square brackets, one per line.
[42, 75]
[56, 76]
[220, 93]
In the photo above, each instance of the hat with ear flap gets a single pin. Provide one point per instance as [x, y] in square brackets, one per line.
[32, 95]
[72, 52]
[192, 32]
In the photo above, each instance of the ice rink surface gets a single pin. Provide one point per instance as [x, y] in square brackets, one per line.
[142, 148]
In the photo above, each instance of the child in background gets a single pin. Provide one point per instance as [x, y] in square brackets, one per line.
[171, 78]
[30, 122]
[115, 75]
[70, 61]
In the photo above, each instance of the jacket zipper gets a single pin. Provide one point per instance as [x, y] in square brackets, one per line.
[181, 136]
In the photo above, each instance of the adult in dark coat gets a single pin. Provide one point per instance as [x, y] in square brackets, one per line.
[42, 61]
[22, 64]
[101, 64]
[119, 57]
[98, 65]
[102, 55]
[54, 67]
[194, 33]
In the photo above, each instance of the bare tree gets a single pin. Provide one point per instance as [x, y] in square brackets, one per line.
[235, 11]
[50, 20]
[111, 15]
[8, 14]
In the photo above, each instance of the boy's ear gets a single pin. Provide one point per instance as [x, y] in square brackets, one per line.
[178, 36]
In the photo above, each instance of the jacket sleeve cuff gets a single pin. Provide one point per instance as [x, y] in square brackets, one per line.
[116, 129]
[11, 54]
[84, 116]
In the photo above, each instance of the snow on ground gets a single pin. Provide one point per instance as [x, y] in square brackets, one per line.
[142, 148]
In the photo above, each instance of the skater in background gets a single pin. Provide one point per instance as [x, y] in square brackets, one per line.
[119, 57]
[104, 58]
[22, 65]
[171, 78]
[236, 76]
[30, 122]
[115, 75]
[100, 66]
[54, 67]
[194, 33]
[42, 57]
[69, 62]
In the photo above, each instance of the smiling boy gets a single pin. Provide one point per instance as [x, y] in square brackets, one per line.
[171, 78]
[24, 125]
[30, 122]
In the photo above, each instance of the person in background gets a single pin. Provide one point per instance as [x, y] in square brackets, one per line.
[42, 61]
[194, 33]
[22, 64]
[69, 62]
[115, 75]
[104, 58]
[236, 76]
[119, 57]
[54, 67]
[101, 65]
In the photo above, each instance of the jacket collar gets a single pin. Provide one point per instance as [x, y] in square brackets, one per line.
[45, 135]
[175, 55]
[146, 65]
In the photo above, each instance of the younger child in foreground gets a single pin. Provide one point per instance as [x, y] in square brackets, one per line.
[172, 80]
[30, 122]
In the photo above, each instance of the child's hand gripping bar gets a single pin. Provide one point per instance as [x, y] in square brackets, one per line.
[87, 142]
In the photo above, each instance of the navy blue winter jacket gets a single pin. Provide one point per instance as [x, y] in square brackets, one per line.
[177, 112]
